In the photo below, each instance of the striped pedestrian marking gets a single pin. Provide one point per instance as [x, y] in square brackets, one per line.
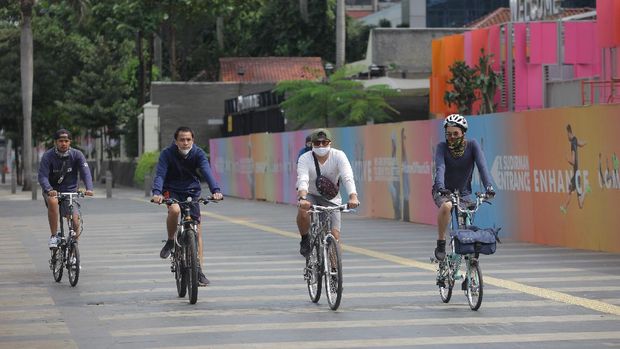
[40, 344]
[309, 325]
[507, 284]
[420, 341]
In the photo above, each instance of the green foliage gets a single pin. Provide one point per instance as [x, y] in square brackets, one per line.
[487, 82]
[146, 164]
[385, 23]
[471, 84]
[336, 100]
[463, 94]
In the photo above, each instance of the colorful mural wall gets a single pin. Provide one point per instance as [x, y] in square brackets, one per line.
[588, 47]
[527, 153]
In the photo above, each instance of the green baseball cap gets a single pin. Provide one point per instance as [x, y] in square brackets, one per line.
[321, 134]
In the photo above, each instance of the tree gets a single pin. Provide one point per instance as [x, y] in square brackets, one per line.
[340, 34]
[471, 84]
[336, 100]
[463, 94]
[487, 82]
[26, 70]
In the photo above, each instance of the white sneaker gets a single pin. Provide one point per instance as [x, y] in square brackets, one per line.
[53, 242]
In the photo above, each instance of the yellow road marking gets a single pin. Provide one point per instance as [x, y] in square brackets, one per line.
[516, 286]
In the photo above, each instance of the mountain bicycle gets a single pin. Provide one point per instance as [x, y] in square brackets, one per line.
[448, 270]
[324, 260]
[67, 254]
[184, 256]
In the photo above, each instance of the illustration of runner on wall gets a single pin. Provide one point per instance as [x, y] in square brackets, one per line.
[575, 184]
[404, 176]
[395, 183]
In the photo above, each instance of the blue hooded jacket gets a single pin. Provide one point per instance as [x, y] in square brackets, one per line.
[178, 173]
[53, 166]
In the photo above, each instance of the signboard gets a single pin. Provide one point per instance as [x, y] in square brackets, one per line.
[533, 10]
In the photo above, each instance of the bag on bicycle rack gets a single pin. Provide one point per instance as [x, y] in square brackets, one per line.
[475, 240]
[326, 188]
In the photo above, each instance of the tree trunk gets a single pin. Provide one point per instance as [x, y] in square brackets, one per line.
[140, 69]
[173, 52]
[340, 34]
[149, 66]
[303, 10]
[26, 69]
[219, 32]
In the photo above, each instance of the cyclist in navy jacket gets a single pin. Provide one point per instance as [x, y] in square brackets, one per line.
[58, 173]
[454, 166]
[177, 177]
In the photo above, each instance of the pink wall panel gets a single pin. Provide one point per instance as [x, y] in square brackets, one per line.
[467, 44]
[605, 22]
[520, 64]
[534, 86]
[543, 38]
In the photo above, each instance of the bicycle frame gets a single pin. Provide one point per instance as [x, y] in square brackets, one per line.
[67, 252]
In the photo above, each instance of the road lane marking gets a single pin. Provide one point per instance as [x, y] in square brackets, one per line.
[420, 341]
[33, 329]
[512, 285]
[42, 344]
[341, 324]
[304, 310]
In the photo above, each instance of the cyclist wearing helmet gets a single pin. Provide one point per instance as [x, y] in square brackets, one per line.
[454, 167]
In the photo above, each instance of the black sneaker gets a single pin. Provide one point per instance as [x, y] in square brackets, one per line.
[464, 285]
[202, 279]
[440, 250]
[165, 251]
[304, 246]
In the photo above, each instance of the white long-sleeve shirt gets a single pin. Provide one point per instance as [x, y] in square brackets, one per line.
[336, 167]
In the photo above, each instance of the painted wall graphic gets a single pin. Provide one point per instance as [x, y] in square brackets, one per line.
[556, 171]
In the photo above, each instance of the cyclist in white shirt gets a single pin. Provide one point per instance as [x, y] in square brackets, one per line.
[335, 170]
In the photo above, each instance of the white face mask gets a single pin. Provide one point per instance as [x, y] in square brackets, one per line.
[184, 152]
[321, 151]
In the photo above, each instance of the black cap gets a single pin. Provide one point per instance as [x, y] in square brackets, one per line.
[308, 138]
[62, 133]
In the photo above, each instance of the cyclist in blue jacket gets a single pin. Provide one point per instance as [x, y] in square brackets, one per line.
[58, 173]
[176, 177]
[454, 167]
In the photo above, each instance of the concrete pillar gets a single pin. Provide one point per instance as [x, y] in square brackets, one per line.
[151, 127]
[108, 184]
[13, 179]
[147, 185]
[34, 185]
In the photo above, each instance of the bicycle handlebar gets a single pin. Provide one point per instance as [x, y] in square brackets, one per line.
[341, 208]
[204, 201]
[480, 198]
[79, 194]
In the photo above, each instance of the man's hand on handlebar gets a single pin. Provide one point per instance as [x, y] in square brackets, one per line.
[158, 199]
[217, 196]
[490, 192]
[444, 192]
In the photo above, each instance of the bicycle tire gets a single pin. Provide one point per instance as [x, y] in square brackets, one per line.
[179, 275]
[73, 264]
[56, 263]
[333, 274]
[313, 274]
[191, 258]
[445, 273]
[474, 289]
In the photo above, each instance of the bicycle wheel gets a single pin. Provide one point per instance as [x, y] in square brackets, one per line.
[473, 291]
[73, 264]
[313, 274]
[333, 276]
[445, 280]
[179, 275]
[56, 263]
[191, 270]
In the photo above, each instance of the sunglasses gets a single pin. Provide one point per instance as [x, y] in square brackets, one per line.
[321, 143]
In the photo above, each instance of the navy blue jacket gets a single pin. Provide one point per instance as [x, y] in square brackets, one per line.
[179, 174]
[51, 169]
[456, 173]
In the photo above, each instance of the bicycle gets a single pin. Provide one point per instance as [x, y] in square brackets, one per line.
[448, 270]
[324, 260]
[67, 254]
[184, 256]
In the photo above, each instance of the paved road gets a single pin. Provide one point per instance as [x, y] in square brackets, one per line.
[535, 296]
